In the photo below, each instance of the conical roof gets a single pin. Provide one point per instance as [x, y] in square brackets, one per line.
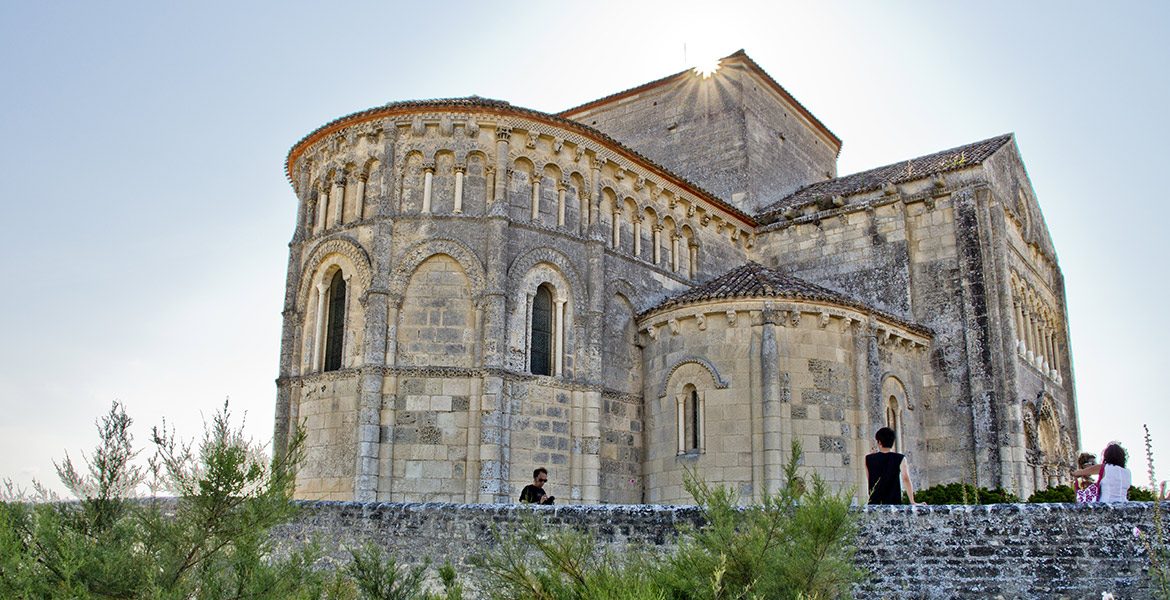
[753, 280]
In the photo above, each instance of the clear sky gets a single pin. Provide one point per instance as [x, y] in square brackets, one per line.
[145, 215]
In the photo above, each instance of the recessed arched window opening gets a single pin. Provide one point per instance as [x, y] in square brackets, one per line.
[893, 421]
[335, 323]
[542, 332]
[690, 406]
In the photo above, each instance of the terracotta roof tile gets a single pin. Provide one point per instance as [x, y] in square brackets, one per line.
[753, 280]
[910, 170]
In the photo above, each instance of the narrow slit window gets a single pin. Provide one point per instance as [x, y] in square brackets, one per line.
[335, 323]
[542, 332]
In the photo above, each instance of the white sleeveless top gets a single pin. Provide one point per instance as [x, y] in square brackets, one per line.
[1115, 484]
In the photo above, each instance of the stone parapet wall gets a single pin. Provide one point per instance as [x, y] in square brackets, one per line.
[1015, 551]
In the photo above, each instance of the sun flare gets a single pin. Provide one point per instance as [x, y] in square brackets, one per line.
[707, 68]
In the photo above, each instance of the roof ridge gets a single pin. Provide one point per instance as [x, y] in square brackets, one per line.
[911, 169]
[739, 55]
[754, 280]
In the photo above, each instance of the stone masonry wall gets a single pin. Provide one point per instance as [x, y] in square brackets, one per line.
[1017, 551]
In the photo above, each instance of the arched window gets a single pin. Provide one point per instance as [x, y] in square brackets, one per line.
[690, 421]
[542, 332]
[335, 323]
[893, 420]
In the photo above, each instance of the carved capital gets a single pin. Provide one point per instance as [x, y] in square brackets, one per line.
[429, 166]
[503, 134]
[460, 167]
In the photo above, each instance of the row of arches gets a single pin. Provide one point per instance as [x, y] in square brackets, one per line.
[1036, 326]
[340, 197]
[437, 310]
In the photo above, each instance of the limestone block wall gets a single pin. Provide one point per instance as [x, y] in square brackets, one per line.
[765, 373]
[903, 257]
[326, 406]
[735, 133]
[1045, 551]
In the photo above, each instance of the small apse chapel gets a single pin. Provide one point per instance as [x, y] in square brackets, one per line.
[670, 277]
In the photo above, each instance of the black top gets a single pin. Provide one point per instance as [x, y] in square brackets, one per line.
[531, 495]
[885, 477]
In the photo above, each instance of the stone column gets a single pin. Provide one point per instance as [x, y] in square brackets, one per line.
[559, 339]
[770, 376]
[536, 178]
[322, 206]
[680, 416]
[1030, 341]
[370, 396]
[361, 197]
[428, 177]
[561, 204]
[587, 215]
[460, 169]
[500, 201]
[337, 199]
[319, 327]
[657, 236]
[674, 252]
[1021, 347]
[693, 256]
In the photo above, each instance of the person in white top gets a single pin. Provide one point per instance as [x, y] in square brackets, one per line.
[1115, 478]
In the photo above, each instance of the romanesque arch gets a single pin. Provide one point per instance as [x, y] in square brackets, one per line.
[436, 322]
[524, 264]
[357, 259]
[543, 272]
[894, 403]
[467, 259]
[690, 369]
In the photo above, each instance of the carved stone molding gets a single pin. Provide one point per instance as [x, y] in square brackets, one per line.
[707, 365]
[347, 247]
[467, 259]
[524, 263]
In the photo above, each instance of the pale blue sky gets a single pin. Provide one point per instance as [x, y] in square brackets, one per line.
[146, 216]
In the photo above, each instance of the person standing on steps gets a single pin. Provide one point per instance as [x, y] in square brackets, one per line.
[887, 471]
[533, 493]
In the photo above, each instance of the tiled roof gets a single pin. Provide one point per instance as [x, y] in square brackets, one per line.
[753, 280]
[910, 170]
[739, 56]
[478, 104]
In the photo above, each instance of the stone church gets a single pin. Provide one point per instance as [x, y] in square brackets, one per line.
[672, 277]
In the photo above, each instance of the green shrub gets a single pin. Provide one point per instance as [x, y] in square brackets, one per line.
[797, 543]
[1060, 493]
[209, 542]
[1137, 494]
[962, 493]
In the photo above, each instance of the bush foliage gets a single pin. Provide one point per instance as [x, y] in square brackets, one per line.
[796, 543]
[211, 541]
[963, 493]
